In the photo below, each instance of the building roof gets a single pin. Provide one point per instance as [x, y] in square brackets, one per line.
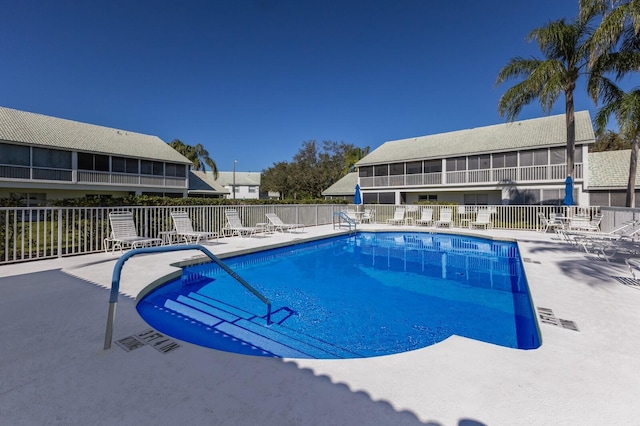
[242, 178]
[610, 169]
[538, 132]
[202, 183]
[345, 186]
[42, 130]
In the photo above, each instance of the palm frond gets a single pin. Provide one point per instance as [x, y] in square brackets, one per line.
[517, 67]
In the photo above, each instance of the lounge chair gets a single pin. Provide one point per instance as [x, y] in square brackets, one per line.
[605, 244]
[124, 233]
[483, 218]
[275, 223]
[235, 226]
[398, 217]
[426, 217]
[549, 224]
[582, 223]
[184, 229]
[445, 218]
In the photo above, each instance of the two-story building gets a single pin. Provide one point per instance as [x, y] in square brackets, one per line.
[521, 162]
[44, 158]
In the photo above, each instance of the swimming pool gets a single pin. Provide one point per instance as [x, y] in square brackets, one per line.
[366, 295]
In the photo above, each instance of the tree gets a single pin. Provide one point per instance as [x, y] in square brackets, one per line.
[313, 169]
[565, 50]
[276, 178]
[352, 155]
[197, 154]
[615, 50]
[609, 141]
[620, 19]
[626, 108]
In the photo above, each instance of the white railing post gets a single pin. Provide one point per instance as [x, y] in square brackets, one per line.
[60, 232]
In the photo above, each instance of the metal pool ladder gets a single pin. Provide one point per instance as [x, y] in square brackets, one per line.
[343, 217]
[117, 270]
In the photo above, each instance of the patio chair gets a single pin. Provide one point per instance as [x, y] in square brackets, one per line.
[124, 233]
[549, 224]
[275, 223]
[445, 218]
[184, 229]
[398, 217]
[426, 217]
[368, 216]
[235, 226]
[483, 218]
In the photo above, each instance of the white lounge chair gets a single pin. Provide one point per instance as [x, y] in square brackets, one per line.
[426, 217]
[124, 233]
[483, 218]
[398, 217]
[184, 229]
[275, 223]
[606, 244]
[445, 218]
[235, 226]
[581, 223]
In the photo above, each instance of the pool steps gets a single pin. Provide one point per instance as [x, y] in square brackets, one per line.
[275, 338]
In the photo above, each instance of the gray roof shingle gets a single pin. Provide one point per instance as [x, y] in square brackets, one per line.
[242, 178]
[203, 183]
[610, 169]
[42, 130]
[345, 186]
[537, 132]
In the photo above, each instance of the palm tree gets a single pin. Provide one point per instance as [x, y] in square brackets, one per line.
[197, 154]
[620, 19]
[619, 27]
[565, 59]
[625, 106]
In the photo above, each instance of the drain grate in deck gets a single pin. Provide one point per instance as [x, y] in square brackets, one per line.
[157, 341]
[130, 343]
[547, 316]
[631, 282]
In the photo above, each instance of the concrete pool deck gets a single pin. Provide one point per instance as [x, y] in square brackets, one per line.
[54, 371]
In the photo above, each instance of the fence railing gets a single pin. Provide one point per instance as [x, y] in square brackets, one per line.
[48, 232]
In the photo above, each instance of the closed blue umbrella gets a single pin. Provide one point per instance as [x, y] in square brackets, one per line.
[568, 192]
[357, 198]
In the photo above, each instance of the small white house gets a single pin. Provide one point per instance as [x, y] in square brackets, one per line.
[241, 185]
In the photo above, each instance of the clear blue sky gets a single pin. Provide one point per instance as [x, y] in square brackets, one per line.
[253, 79]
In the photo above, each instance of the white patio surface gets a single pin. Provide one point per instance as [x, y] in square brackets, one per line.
[53, 370]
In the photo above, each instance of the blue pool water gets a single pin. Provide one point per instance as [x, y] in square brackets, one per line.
[366, 295]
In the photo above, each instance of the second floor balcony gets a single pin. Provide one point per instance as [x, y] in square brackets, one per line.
[26, 173]
[553, 173]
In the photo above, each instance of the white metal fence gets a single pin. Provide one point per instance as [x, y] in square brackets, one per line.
[48, 232]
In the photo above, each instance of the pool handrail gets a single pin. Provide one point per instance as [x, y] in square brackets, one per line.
[117, 272]
[343, 216]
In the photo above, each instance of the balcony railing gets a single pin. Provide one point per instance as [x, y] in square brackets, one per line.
[129, 179]
[528, 174]
[90, 177]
